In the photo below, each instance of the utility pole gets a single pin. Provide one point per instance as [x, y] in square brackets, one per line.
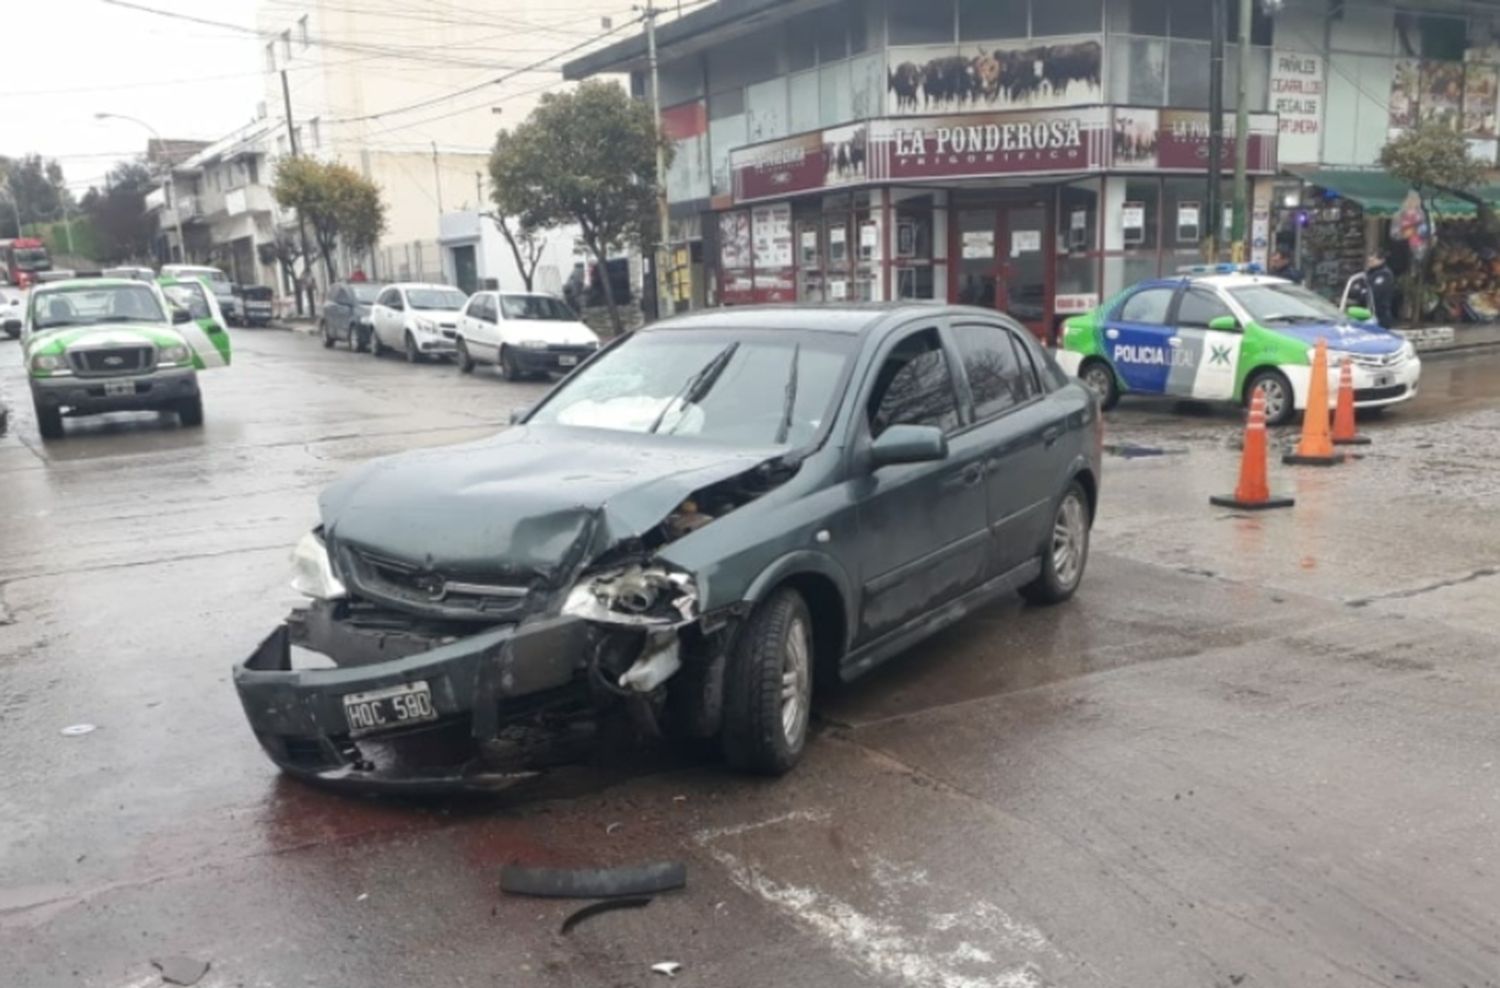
[478, 192]
[291, 135]
[1213, 219]
[1242, 133]
[437, 180]
[663, 288]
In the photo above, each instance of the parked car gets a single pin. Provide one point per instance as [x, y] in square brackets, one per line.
[713, 514]
[217, 281]
[212, 332]
[109, 345]
[1218, 332]
[12, 310]
[420, 320]
[133, 273]
[256, 304]
[347, 314]
[523, 333]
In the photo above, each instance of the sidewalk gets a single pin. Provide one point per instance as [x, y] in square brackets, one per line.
[1435, 340]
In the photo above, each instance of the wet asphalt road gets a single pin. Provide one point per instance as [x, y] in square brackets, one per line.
[1257, 751]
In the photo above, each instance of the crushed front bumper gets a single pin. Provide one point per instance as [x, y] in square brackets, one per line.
[484, 689]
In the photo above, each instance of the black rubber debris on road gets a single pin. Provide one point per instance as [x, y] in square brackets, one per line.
[593, 883]
[602, 906]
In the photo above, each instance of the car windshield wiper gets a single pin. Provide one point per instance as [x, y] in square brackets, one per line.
[789, 401]
[697, 387]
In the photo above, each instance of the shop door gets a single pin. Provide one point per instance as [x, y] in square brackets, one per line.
[1003, 262]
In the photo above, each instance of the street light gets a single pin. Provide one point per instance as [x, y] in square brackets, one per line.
[171, 189]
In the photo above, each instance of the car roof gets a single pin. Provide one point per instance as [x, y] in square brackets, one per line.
[1236, 280]
[408, 285]
[853, 318]
[52, 286]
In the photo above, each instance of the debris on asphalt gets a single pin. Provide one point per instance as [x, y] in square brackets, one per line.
[362, 897]
[77, 730]
[177, 970]
[602, 906]
[669, 968]
[593, 883]
[613, 827]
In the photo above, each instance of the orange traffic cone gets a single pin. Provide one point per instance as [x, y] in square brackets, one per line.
[1343, 412]
[1253, 493]
[1316, 446]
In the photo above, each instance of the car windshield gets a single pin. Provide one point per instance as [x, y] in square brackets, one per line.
[30, 258]
[535, 307]
[365, 292]
[190, 297]
[436, 298]
[96, 305]
[219, 278]
[767, 388]
[1287, 303]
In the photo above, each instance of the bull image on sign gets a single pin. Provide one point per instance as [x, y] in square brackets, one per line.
[994, 78]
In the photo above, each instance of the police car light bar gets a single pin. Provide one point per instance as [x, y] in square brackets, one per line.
[1225, 268]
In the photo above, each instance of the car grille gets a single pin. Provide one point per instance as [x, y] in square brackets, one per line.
[569, 348]
[1375, 360]
[417, 589]
[111, 361]
[449, 334]
[1379, 394]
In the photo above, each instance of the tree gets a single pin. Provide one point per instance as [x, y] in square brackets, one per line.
[118, 214]
[1433, 158]
[335, 200]
[586, 157]
[527, 245]
[36, 186]
[285, 251]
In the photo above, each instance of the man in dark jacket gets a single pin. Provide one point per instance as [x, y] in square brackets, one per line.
[1381, 288]
[1281, 266]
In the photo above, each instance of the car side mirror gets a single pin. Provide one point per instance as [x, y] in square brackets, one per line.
[181, 316]
[1224, 324]
[1359, 314]
[908, 444]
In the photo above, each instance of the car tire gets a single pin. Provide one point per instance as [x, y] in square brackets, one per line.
[768, 687]
[1281, 404]
[48, 421]
[409, 347]
[1066, 553]
[190, 411]
[508, 368]
[328, 340]
[465, 361]
[377, 348]
[1099, 377]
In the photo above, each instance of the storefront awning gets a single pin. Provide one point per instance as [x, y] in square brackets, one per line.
[1381, 194]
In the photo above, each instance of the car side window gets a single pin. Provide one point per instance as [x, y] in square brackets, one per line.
[994, 369]
[490, 309]
[397, 302]
[1199, 307]
[1031, 377]
[475, 309]
[384, 298]
[914, 386]
[1149, 305]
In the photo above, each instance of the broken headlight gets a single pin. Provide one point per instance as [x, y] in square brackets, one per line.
[638, 595]
[312, 570]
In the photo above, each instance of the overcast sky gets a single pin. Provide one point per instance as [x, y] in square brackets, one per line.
[64, 60]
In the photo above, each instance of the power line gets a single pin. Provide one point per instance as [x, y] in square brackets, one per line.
[404, 14]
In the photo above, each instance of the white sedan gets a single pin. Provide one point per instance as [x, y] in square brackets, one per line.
[523, 333]
[420, 320]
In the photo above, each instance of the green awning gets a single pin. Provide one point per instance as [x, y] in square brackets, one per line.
[1381, 195]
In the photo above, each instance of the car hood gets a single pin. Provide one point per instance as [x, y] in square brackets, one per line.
[556, 332]
[1347, 338]
[531, 502]
[94, 337]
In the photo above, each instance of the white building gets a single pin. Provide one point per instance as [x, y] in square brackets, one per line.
[375, 89]
[475, 254]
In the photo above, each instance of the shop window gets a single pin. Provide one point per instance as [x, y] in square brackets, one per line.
[914, 387]
[1186, 201]
[802, 42]
[981, 20]
[1188, 72]
[1138, 71]
[1050, 17]
[1139, 222]
[912, 267]
[920, 22]
[1138, 17]
[1189, 19]
[1078, 217]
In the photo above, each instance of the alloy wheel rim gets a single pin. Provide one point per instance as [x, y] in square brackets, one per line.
[1275, 398]
[796, 680]
[1069, 541]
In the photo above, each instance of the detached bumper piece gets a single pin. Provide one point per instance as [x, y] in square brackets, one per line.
[480, 713]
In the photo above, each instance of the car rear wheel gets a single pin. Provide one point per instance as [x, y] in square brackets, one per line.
[465, 362]
[1280, 403]
[327, 334]
[508, 367]
[413, 355]
[1099, 378]
[48, 421]
[190, 411]
[768, 687]
[1067, 550]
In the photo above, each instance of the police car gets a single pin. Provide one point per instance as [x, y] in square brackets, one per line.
[1215, 333]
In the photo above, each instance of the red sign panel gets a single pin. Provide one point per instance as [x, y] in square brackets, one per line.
[819, 159]
[980, 144]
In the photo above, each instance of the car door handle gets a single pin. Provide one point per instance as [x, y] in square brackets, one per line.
[1051, 434]
[1113, 334]
[1175, 340]
[968, 477]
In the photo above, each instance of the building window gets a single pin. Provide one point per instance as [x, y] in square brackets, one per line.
[802, 42]
[270, 56]
[981, 20]
[1431, 36]
[302, 31]
[1050, 17]
[833, 34]
[1138, 71]
[315, 131]
[1187, 74]
[921, 22]
[1138, 17]
[252, 169]
[1190, 19]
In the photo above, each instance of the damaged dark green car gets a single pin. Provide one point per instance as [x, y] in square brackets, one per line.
[688, 533]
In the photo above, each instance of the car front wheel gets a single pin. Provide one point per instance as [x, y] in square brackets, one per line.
[768, 687]
[49, 421]
[413, 355]
[327, 335]
[1097, 376]
[1067, 550]
[1280, 404]
[465, 362]
[508, 367]
[190, 411]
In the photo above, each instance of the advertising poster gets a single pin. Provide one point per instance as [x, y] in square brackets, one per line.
[1406, 83]
[1133, 222]
[1442, 93]
[978, 245]
[1297, 89]
[1134, 137]
[1025, 242]
[838, 245]
[772, 226]
[734, 240]
[1481, 91]
[1001, 75]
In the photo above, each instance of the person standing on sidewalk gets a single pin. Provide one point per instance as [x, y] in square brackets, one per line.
[1281, 266]
[1381, 284]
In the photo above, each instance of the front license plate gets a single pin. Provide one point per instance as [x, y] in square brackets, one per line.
[117, 389]
[394, 706]
[567, 361]
[1382, 380]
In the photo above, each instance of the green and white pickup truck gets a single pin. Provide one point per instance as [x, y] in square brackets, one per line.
[95, 345]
